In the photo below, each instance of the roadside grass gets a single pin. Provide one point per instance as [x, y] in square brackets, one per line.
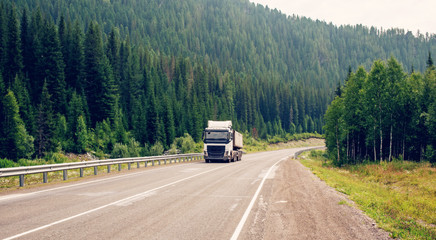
[400, 196]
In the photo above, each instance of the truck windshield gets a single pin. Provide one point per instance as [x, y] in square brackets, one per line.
[216, 136]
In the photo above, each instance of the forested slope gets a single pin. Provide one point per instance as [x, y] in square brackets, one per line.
[88, 75]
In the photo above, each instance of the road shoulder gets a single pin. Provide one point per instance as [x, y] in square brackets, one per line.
[295, 204]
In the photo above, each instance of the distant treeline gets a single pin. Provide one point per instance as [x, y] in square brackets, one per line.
[384, 114]
[95, 75]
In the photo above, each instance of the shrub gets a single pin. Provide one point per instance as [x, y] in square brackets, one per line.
[157, 149]
[134, 148]
[120, 151]
[6, 163]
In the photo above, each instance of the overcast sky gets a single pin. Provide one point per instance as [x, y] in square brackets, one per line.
[406, 14]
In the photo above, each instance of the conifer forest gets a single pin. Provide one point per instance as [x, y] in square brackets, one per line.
[105, 76]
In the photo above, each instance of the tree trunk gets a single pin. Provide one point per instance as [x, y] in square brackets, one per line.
[375, 148]
[348, 147]
[381, 138]
[337, 144]
[404, 142]
[390, 145]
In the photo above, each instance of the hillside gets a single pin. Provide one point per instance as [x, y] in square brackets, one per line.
[135, 72]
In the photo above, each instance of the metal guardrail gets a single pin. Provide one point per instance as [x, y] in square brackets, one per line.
[305, 150]
[44, 169]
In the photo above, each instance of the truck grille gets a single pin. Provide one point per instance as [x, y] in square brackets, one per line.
[216, 151]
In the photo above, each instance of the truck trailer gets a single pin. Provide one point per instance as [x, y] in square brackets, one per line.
[222, 142]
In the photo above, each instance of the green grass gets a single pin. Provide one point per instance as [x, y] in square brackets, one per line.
[399, 196]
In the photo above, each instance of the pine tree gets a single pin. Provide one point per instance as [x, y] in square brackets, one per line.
[170, 130]
[45, 123]
[100, 87]
[14, 60]
[24, 102]
[15, 143]
[113, 52]
[429, 61]
[75, 68]
[53, 65]
[2, 38]
[82, 135]
[26, 43]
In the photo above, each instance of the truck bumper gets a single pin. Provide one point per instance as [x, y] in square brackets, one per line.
[224, 158]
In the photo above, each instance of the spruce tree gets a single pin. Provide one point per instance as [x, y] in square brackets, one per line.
[15, 142]
[74, 71]
[24, 102]
[26, 43]
[81, 135]
[45, 123]
[14, 59]
[53, 65]
[429, 61]
[100, 87]
[2, 38]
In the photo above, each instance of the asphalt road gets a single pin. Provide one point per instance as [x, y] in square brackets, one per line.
[181, 201]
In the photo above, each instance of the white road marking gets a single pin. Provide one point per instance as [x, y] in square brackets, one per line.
[188, 170]
[233, 207]
[282, 201]
[255, 181]
[80, 184]
[272, 174]
[135, 199]
[112, 204]
[250, 206]
[95, 194]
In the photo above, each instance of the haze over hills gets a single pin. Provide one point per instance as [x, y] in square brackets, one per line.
[164, 67]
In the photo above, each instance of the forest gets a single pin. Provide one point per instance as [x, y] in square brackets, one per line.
[383, 114]
[106, 76]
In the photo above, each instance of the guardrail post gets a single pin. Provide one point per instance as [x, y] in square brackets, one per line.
[108, 168]
[159, 162]
[146, 163]
[81, 172]
[128, 166]
[119, 167]
[65, 173]
[137, 164]
[22, 180]
[152, 163]
[95, 170]
[165, 162]
[44, 177]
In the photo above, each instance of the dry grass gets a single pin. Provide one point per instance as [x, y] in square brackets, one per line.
[400, 196]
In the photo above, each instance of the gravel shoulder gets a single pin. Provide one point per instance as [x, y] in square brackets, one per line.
[295, 204]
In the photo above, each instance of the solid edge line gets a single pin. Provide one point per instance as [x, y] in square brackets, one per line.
[110, 204]
[253, 200]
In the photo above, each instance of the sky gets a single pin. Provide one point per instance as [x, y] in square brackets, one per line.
[410, 15]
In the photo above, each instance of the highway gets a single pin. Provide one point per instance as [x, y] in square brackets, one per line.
[181, 201]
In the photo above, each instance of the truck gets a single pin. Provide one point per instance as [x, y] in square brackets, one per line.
[222, 142]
